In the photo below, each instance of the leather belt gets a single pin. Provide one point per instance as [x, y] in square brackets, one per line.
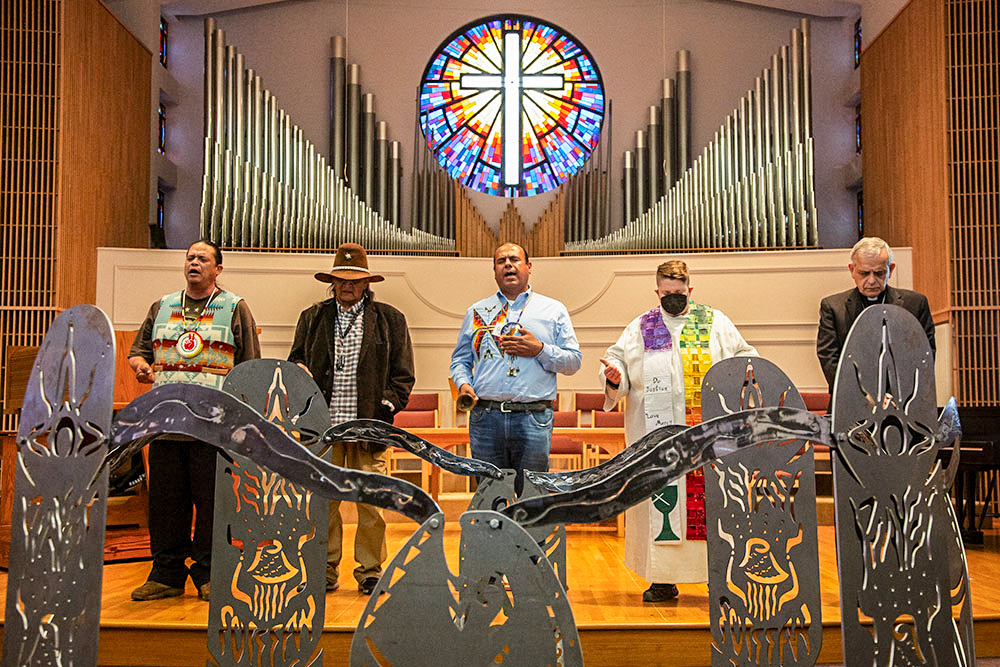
[514, 406]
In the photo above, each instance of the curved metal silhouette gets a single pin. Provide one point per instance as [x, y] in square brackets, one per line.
[495, 494]
[373, 430]
[900, 557]
[270, 535]
[674, 455]
[60, 496]
[760, 509]
[506, 605]
[224, 421]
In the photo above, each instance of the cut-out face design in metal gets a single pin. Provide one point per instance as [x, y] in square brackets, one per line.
[269, 561]
[60, 494]
[761, 509]
[895, 528]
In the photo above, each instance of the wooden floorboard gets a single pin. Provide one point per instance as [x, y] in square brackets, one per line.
[615, 627]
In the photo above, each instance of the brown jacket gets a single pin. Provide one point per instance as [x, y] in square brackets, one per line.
[385, 368]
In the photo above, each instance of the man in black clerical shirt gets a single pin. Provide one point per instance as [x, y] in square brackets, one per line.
[871, 265]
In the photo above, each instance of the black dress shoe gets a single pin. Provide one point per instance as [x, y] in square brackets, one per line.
[367, 585]
[660, 593]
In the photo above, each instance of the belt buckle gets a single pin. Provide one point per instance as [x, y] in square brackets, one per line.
[504, 409]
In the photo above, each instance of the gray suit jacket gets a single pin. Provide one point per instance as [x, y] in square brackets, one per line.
[838, 312]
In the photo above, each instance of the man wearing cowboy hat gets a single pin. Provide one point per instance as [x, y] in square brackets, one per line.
[358, 351]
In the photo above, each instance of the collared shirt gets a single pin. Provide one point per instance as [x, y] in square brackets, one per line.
[477, 359]
[344, 397]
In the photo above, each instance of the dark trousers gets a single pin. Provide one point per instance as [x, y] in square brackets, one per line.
[181, 476]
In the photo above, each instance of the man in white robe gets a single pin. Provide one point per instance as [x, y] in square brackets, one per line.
[658, 363]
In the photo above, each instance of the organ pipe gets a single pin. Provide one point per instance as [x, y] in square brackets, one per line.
[353, 129]
[368, 150]
[683, 110]
[654, 165]
[641, 193]
[266, 186]
[752, 185]
[668, 133]
[382, 169]
[338, 91]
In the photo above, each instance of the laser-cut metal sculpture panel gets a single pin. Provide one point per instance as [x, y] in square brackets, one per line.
[269, 535]
[223, 421]
[616, 488]
[505, 606]
[899, 551]
[373, 430]
[760, 506]
[495, 494]
[60, 495]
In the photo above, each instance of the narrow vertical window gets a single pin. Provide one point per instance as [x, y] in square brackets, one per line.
[857, 129]
[161, 129]
[161, 200]
[857, 43]
[861, 214]
[163, 41]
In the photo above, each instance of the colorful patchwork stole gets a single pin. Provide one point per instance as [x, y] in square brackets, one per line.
[657, 363]
[697, 359]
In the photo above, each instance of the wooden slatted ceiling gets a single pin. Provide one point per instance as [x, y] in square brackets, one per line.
[974, 106]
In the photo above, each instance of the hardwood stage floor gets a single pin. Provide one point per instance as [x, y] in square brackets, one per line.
[615, 627]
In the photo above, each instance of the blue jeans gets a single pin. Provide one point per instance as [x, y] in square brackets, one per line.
[517, 440]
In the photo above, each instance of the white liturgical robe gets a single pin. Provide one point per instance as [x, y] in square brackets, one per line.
[683, 561]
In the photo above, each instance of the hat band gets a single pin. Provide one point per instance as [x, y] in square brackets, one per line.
[360, 269]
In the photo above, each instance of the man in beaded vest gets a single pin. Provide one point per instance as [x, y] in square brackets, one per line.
[358, 350]
[658, 363]
[194, 336]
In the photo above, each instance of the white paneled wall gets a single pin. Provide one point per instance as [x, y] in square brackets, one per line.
[772, 296]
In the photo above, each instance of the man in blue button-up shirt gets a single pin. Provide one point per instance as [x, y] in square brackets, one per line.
[509, 350]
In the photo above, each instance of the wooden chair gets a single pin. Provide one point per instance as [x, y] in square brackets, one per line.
[565, 454]
[587, 403]
[602, 419]
[402, 463]
[817, 402]
[565, 419]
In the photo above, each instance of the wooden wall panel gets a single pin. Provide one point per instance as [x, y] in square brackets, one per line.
[104, 121]
[29, 169]
[904, 143]
[974, 105]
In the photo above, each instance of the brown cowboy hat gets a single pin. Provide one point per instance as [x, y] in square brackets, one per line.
[351, 263]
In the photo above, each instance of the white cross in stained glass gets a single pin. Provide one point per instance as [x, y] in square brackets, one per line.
[512, 81]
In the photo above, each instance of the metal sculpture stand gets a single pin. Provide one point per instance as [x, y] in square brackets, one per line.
[902, 565]
[60, 496]
[505, 606]
[760, 505]
[269, 536]
[495, 494]
[900, 555]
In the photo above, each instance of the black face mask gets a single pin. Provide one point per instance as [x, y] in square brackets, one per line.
[674, 303]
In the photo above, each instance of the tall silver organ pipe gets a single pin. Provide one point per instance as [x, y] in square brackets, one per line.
[752, 186]
[641, 193]
[382, 169]
[338, 92]
[628, 190]
[683, 110]
[395, 184]
[368, 149]
[654, 161]
[266, 186]
[353, 129]
[668, 133]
